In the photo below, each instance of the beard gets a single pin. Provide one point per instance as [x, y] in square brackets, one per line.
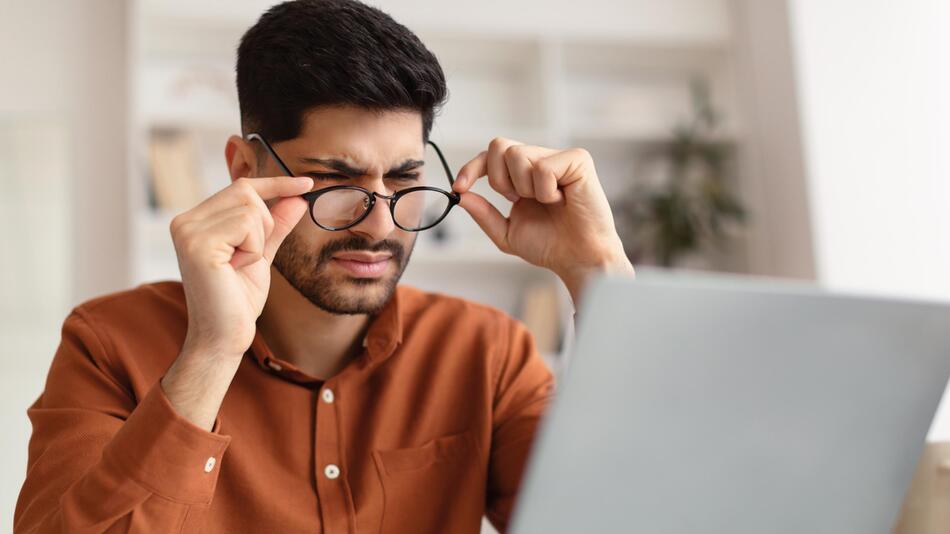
[338, 293]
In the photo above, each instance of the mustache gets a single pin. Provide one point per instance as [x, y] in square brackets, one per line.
[361, 244]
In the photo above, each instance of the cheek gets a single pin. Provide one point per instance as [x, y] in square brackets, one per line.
[307, 238]
[407, 240]
[404, 238]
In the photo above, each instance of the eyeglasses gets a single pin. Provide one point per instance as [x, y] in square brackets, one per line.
[339, 207]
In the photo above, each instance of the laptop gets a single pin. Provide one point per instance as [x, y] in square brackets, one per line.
[726, 406]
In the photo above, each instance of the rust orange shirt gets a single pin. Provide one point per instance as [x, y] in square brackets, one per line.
[427, 430]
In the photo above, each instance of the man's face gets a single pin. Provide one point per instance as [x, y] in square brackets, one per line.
[350, 271]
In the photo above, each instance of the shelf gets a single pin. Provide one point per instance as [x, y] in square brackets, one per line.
[617, 93]
[477, 139]
[210, 124]
[644, 138]
[676, 21]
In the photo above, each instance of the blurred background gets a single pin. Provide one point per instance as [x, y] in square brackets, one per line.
[797, 139]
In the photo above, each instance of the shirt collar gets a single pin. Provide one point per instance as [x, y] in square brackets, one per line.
[382, 337]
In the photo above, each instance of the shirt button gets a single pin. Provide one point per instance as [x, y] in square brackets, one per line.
[331, 471]
[327, 396]
[209, 465]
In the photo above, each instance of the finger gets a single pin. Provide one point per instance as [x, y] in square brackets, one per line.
[286, 213]
[471, 171]
[488, 218]
[545, 179]
[519, 159]
[497, 167]
[237, 232]
[519, 171]
[565, 167]
[488, 163]
[268, 221]
[545, 186]
[246, 190]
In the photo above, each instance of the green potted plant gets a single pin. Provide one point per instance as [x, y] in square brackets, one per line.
[691, 205]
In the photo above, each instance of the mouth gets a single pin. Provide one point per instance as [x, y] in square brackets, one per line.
[363, 264]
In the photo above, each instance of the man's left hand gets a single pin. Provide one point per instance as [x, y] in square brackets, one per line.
[560, 218]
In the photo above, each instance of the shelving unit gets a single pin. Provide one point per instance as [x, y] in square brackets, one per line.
[613, 94]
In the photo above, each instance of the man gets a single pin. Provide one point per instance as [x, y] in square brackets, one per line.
[287, 384]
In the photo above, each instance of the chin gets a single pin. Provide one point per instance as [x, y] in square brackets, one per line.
[355, 296]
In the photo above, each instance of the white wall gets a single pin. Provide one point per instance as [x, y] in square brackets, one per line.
[874, 82]
[62, 192]
[773, 167]
[698, 20]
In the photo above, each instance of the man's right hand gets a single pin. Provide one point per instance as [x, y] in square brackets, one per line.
[225, 247]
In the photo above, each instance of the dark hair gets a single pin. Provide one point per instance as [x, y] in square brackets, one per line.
[308, 53]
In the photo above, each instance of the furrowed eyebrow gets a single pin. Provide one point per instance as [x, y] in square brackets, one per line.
[344, 168]
[335, 164]
[406, 166]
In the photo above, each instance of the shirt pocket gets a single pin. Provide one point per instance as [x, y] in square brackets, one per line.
[434, 487]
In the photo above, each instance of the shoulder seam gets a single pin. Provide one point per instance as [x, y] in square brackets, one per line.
[107, 366]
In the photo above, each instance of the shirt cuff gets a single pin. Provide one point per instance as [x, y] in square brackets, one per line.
[166, 453]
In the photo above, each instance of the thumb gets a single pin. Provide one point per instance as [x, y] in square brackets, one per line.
[286, 213]
[489, 219]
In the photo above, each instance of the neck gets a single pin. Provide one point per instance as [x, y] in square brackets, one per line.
[317, 342]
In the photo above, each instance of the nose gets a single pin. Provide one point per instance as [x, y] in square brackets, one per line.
[378, 224]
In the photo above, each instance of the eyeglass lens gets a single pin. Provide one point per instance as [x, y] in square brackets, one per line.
[414, 210]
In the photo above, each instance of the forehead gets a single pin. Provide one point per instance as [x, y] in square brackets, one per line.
[360, 136]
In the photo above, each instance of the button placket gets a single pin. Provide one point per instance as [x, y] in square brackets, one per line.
[331, 485]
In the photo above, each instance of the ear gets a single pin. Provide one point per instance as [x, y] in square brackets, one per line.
[241, 158]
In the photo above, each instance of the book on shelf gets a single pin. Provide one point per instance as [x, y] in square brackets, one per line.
[541, 314]
[174, 170]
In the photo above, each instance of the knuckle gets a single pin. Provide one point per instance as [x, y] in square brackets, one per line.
[513, 153]
[191, 247]
[179, 229]
[582, 153]
[496, 182]
[176, 223]
[497, 144]
[268, 220]
[541, 169]
[244, 189]
[248, 218]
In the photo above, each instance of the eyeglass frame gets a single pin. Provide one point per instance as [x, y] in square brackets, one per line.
[312, 196]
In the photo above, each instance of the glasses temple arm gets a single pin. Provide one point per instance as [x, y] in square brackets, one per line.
[448, 172]
[280, 162]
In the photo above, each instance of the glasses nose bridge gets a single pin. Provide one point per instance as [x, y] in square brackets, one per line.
[374, 194]
[371, 197]
[370, 204]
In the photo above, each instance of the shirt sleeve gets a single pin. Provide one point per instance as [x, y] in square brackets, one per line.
[99, 461]
[524, 388]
